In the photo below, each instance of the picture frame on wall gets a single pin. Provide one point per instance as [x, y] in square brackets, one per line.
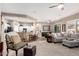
[46, 28]
[71, 26]
[64, 27]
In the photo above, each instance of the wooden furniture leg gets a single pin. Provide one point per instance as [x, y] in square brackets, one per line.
[16, 52]
[7, 52]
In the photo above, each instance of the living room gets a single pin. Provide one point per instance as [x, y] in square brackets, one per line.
[51, 30]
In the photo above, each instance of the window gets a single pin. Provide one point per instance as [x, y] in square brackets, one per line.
[57, 28]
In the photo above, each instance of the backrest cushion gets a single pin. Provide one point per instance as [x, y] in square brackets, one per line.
[54, 35]
[59, 34]
[16, 39]
[24, 36]
[73, 36]
[21, 35]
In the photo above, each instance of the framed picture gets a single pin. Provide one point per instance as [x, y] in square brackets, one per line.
[46, 28]
[71, 26]
[64, 27]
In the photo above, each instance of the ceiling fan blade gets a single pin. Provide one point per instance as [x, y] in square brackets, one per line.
[61, 3]
[53, 6]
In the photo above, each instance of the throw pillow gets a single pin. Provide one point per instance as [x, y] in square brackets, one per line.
[16, 39]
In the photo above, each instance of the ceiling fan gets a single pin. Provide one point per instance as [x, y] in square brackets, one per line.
[59, 5]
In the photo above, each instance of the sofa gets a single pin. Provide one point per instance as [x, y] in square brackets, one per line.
[72, 41]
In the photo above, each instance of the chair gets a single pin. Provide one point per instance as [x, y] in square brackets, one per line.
[14, 42]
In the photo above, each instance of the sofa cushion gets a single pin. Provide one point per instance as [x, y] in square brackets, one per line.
[19, 45]
[13, 37]
[54, 35]
[59, 35]
[12, 34]
[16, 39]
[71, 39]
[24, 36]
[73, 36]
[21, 35]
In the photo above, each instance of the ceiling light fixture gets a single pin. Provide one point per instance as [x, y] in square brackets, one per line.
[61, 6]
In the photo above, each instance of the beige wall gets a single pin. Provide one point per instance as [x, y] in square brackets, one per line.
[65, 20]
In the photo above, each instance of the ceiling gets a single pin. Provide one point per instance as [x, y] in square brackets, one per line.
[41, 11]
